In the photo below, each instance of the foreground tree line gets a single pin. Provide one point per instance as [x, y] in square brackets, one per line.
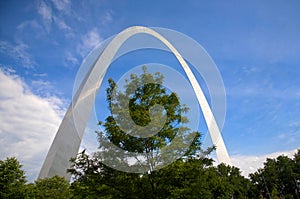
[190, 176]
[194, 178]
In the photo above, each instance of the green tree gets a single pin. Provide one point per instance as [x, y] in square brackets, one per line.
[296, 173]
[143, 97]
[12, 179]
[143, 93]
[278, 178]
[54, 187]
[235, 184]
[192, 175]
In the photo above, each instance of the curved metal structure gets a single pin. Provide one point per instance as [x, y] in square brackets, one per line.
[68, 138]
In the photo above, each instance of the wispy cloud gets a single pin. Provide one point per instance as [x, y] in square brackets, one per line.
[263, 90]
[18, 52]
[107, 17]
[40, 74]
[88, 42]
[28, 23]
[70, 58]
[290, 137]
[46, 13]
[62, 5]
[41, 87]
[28, 122]
[48, 17]
[61, 24]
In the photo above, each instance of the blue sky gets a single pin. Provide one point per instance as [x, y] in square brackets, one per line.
[255, 45]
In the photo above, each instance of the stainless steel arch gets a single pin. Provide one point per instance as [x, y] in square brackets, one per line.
[68, 138]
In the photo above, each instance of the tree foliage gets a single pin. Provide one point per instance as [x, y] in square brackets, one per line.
[13, 183]
[190, 176]
[54, 187]
[145, 92]
[279, 178]
[12, 179]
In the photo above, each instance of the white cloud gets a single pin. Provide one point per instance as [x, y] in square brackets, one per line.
[40, 74]
[62, 5]
[71, 58]
[250, 164]
[46, 12]
[28, 23]
[61, 24]
[107, 17]
[88, 42]
[28, 123]
[42, 88]
[48, 17]
[18, 52]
